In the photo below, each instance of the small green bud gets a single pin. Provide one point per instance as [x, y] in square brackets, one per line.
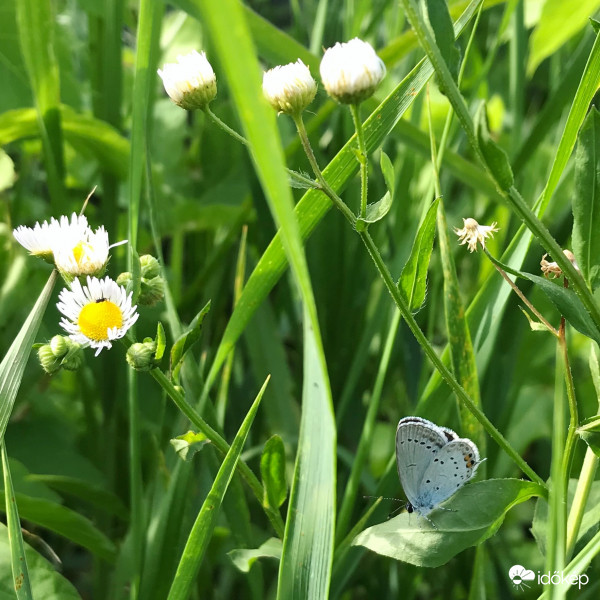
[141, 355]
[74, 359]
[59, 346]
[49, 362]
[150, 266]
[151, 291]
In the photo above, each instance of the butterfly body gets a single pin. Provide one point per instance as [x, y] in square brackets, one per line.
[433, 463]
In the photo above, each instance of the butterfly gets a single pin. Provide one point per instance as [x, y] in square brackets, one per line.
[433, 463]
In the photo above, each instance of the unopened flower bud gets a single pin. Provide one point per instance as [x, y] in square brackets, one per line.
[150, 266]
[125, 280]
[59, 346]
[48, 360]
[190, 82]
[351, 71]
[141, 355]
[289, 88]
[152, 291]
[61, 353]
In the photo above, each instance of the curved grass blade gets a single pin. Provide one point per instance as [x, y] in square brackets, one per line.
[204, 525]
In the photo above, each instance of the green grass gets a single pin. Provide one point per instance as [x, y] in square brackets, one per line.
[357, 317]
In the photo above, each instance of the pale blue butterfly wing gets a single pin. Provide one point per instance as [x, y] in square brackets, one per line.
[433, 462]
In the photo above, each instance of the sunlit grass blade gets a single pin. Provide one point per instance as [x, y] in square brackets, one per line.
[203, 527]
[13, 363]
[17, 549]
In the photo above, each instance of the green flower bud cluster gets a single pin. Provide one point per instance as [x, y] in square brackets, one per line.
[152, 285]
[60, 353]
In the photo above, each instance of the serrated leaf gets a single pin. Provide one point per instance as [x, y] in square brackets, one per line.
[387, 169]
[476, 512]
[272, 470]
[188, 444]
[586, 200]
[244, 558]
[495, 157]
[186, 340]
[413, 280]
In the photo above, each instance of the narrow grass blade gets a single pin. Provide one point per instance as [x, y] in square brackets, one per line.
[15, 538]
[13, 363]
[204, 525]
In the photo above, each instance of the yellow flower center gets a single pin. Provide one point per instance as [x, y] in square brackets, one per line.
[96, 318]
[82, 250]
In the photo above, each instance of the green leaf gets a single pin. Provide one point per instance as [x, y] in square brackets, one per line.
[161, 342]
[476, 512]
[441, 23]
[559, 22]
[389, 176]
[188, 444]
[495, 157]
[203, 527]
[586, 200]
[413, 280]
[272, 470]
[187, 339]
[589, 431]
[243, 558]
[46, 582]
[377, 210]
[14, 361]
[20, 572]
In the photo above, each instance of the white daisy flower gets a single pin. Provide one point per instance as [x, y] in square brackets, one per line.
[473, 233]
[96, 314]
[351, 71]
[42, 239]
[289, 88]
[190, 82]
[86, 256]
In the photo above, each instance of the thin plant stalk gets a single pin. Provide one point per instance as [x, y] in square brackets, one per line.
[362, 158]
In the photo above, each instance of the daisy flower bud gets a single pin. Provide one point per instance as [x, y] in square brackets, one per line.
[96, 314]
[289, 88]
[473, 233]
[150, 266]
[351, 71]
[142, 355]
[60, 353]
[42, 239]
[190, 82]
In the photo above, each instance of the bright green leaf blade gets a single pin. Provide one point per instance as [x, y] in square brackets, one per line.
[559, 22]
[272, 469]
[188, 338]
[243, 559]
[46, 582]
[441, 23]
[378, 210]
[188, 444]
[65, 522]
[387, 168]
[413, 280]
[13, 363]
[21, 582]
[586, 200]
[204, 525]
[477, 511]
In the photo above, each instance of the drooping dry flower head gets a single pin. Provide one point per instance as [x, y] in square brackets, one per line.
[351, 71]
[551, 269]
[289, 88]
[190, 82]
[473, 233]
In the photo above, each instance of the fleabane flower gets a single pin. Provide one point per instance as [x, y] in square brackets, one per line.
[473, 233]
[190, 82]
[289, 88]
[97, 313]
[351, 71]
[42, 239]
[86, 256]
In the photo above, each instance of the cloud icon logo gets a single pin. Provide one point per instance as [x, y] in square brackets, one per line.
[519, 575]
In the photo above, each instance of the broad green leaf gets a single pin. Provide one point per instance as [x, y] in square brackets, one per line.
[313, 206]
[413, 280]
[378, 210]
[65, 522]
[20, 571]
[46, 582]
[586, 200]
[272, 470]
[476, 512]
[441, 23]
[243, 559]
[188, 444]
[187, 339]
[203, 527]
[559, 22]
[495, 157]
[387, 169]
[14, 361]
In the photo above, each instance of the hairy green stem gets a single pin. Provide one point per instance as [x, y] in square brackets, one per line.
[362, 158]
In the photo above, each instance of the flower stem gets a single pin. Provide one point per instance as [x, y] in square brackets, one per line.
[362, 158]
[232, 132]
